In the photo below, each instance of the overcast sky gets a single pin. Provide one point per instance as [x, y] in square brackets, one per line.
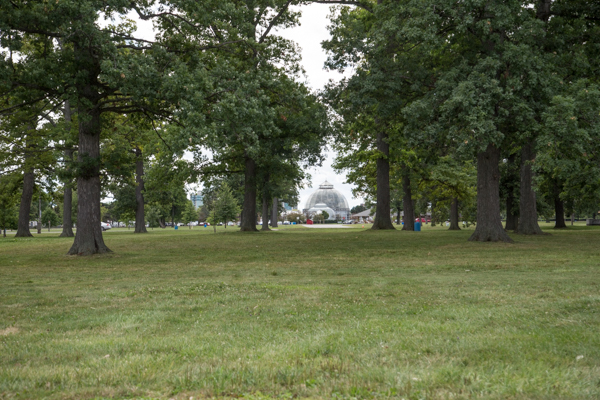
[308, 35]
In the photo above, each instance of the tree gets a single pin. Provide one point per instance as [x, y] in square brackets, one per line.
[226, 206]
[189, 214]
[357, 209]
[97, 68]
[50, 217]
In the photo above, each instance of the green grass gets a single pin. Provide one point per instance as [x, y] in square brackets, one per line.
[345, 313]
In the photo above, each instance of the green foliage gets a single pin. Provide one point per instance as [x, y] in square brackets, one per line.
[50, 216]
[226, 207]
[296, 217]
[9, 200]
[189, 213]
[357, 209]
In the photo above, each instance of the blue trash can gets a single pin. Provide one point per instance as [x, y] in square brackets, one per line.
[417, 227]
[176, 227]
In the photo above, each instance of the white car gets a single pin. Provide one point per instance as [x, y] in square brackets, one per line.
[105, 226]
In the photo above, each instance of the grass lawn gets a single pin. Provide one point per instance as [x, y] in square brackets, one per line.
[298, 312]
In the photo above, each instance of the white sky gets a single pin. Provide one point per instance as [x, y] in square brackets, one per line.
[308, 35]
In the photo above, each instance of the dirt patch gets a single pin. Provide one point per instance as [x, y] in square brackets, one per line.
[8, 331]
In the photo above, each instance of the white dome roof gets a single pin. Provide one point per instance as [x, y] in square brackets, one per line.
[328, 196]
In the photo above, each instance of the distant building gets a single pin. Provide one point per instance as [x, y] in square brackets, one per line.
[197, 200]
[326, 198]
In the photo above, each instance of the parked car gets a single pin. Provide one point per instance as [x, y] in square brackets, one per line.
[105, 226]
[286, 222]
[230, 223]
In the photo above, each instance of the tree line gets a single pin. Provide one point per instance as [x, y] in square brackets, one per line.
[469, 108]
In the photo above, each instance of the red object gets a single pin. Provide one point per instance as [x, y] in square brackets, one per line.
[309, 222]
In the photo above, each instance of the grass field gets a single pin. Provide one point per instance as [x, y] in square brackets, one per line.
[309, 313]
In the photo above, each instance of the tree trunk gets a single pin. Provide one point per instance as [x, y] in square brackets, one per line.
[265, 212]
[512, 217]
[26, 197]
[88, 237]
[265, 205]
[454, 215]
[528, 218]
[559, 208]
[489, 225]
[39, 213]
[67, 220]
[512, 220]
[407, 202]
[140, 218]
[274, 212]
[161, 223]
[572, 218]
[398, 215]
[433, 221]
[248, 222]
[382, 212]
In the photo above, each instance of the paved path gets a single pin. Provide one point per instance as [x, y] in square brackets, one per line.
[326, 226]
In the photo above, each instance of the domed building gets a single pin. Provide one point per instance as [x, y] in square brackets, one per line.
[328, 199]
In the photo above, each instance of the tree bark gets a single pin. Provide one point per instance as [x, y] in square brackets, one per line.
[265, 204]
[489, 225]
[140, 217]
[454, 215]
[512, 220]
[88, 237]
[398, 209]
[528, 217]
[67, 220]
[559, 208]
[26, 197]
[265, 212]
[407, 203]
[248, 220]
[274, 212]
[39, 213]
[382, 212]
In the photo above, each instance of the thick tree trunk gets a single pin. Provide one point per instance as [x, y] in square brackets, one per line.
[559, 208]
[489, 225]
[274, 212]
[382, 212]
[454, 215]
[140, 217]
[248, 222]
[88, 237]
[25, 208]
[407, 203]
[512, 217]
[528, 218]
[67, 222]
